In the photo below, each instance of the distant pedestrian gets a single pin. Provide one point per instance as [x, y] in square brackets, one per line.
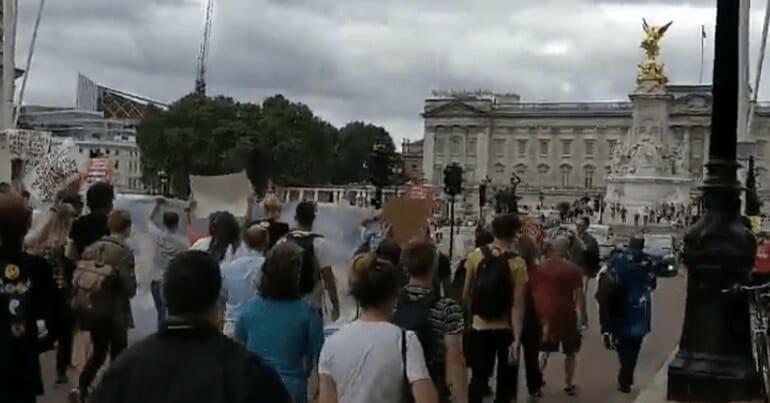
[224, 242]
[585, 254]
[625, 305]
[190, 360]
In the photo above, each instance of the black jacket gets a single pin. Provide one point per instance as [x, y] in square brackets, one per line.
[190, 365]
[28, 293]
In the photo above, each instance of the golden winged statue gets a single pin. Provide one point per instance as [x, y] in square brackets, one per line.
[651, 70]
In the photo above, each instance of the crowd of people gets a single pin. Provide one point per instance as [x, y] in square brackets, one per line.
[241, 310]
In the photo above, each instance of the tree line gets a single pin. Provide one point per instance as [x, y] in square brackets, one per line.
[276, 140]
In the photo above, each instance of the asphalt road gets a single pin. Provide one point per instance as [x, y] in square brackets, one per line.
[597, 367]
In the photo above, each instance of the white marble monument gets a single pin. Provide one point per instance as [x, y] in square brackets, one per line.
[648, 169]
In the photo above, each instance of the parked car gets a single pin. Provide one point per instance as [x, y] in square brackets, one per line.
[663, 249]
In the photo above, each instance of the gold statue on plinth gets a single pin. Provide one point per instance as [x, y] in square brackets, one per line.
[651, 69]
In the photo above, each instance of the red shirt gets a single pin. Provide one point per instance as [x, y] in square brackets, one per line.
[554, 284]
[762, 262]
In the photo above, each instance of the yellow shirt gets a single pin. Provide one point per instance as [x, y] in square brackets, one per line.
[518, 275]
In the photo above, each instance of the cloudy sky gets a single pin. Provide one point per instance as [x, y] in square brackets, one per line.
[372, 60]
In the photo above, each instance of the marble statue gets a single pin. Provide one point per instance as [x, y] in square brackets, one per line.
[651, 69]
[682, 158]
[646, 155]
[617, 160]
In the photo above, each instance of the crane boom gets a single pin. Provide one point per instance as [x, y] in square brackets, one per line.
[200, 77]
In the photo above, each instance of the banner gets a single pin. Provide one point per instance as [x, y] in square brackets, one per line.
[221, 193]
[407, 218]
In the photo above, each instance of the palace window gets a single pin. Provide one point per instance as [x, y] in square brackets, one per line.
[521, 147]
[590, 146]
[440, 146]
[471, 147]
[500, 170]
[566, 148]
[566, 173]
[543, 147]
[456, 146]
[589, 177]
[500, 149]
[542, 173]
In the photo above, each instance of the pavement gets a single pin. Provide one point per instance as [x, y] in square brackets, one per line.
[597, 367]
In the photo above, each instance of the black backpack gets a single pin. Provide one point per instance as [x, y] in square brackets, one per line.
[610, 294]
[492, 289]
[310, 273]
[415, 316]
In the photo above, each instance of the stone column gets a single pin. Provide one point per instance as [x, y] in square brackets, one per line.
[482, 149]
[428, 158]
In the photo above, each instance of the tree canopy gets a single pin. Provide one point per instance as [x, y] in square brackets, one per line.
[277, 139]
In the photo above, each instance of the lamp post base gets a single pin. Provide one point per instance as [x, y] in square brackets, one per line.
[694, 377]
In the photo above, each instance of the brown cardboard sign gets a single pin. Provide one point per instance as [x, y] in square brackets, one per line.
[407, 217]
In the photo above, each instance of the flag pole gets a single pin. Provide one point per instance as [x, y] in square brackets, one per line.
[702, 51]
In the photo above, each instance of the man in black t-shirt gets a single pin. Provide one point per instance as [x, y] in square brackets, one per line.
[190, 360]
[92, 226]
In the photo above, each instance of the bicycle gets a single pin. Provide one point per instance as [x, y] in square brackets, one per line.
[759, 311]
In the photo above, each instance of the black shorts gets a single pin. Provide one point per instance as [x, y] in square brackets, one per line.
[571, 346]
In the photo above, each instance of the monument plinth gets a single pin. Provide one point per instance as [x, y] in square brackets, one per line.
[651, 166]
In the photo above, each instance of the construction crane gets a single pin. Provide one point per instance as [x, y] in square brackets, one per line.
[200, 75]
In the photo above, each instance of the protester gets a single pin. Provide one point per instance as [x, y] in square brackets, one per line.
[273, 208]
[585, 254]
[28, 293]
[74, 200]
[190, 361]
[557, 289]
[50, 243]
[168, 243]
[531, 332]
[241, 277]
[495, 292]
[92, 226]
[438, 323]
[316, 275]
[109, 330]
[280, 327]
[370, 360]
[482, 237]
[224, 242]
[625, 306]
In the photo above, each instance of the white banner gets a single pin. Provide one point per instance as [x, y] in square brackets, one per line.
[221, 193]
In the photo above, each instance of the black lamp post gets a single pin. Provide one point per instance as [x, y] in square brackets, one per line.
[714, 362]
[753, 205]
[163, 178]
[514, 203]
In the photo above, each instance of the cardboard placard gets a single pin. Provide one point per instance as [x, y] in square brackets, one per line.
[407, 217]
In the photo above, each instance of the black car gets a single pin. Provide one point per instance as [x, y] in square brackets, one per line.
[662, 249]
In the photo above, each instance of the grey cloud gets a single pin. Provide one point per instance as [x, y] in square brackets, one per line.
[353, 59]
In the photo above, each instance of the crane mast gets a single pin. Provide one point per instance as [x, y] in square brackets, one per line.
[200, 76]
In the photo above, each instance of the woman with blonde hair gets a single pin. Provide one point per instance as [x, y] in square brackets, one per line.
[273, 208]
[50, 243]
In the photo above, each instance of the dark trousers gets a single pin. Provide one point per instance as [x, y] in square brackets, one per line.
[531, 334]
[160, 305]
[486, 346]
[106, 337]
[20, 398]
[628, 353]
[64, 341]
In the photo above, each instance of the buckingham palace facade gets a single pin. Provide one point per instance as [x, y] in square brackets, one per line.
[561, 150]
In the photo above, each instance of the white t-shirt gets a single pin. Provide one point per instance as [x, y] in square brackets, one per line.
[364, 360]
[204, 243]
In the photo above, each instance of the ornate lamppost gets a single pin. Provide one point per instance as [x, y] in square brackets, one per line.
[514, 203]
[714, 362]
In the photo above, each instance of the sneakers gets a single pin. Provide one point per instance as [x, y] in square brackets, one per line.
[624, 389]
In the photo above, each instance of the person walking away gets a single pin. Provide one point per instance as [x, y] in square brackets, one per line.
[438, 323]
[531, 332]
[242, 276]
[103, 285]
[761, 271]
[190, 360]
[557, 288]
[168, 243]
[372, 360]
[273, 208]
[316, 275]
[225, 242]
[625, 306]
[282, 328]
[482, 236]
[585, 254]
[92, 226]
[28, 294]
[494, 290]
[50, 243]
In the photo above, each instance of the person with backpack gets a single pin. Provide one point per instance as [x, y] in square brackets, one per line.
[103, 284]
[28, 294]
[495, 288]
[437, 321]
[624, 294]
[316, 275]
[372, 360]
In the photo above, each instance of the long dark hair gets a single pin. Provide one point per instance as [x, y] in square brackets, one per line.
[226, 233]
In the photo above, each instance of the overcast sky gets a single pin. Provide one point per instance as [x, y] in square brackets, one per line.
[372, 60]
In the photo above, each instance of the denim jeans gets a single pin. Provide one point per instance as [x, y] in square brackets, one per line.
[156, 289]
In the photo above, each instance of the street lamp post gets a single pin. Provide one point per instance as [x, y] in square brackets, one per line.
[514, 204]
[714, 362]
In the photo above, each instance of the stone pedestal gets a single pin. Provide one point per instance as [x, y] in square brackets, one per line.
[647, 169]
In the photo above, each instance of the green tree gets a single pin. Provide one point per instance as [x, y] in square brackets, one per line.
[355, 141]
